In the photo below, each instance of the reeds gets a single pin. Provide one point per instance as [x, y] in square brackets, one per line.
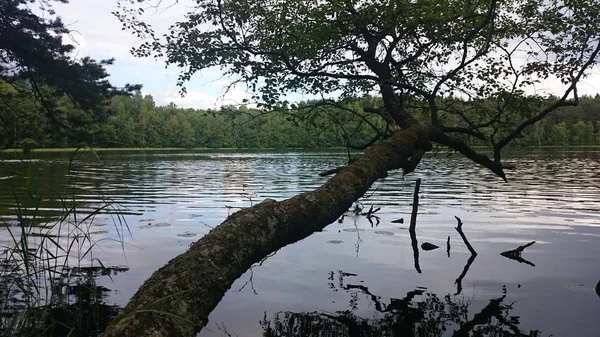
[48, 270]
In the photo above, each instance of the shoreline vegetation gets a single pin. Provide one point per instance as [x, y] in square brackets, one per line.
[166, 149]
[136, 122]
[233, 149]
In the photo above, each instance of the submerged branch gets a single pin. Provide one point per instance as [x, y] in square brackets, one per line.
[464, 238]
[331, 171]
[462, 275]
[413, 225]
[515, 254]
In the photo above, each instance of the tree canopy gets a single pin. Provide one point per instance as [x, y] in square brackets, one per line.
[415, 54]
[36, 61]
[424, 58]
[136, 121]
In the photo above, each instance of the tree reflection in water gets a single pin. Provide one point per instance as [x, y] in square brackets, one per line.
[427, 317]
[77, 306]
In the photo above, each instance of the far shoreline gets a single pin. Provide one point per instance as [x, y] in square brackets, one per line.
[154, 149]
[229, 149]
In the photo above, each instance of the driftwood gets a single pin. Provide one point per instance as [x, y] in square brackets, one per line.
[331, 171]
[413, 225]
[370, 214]
[471, 259]
[515, 254]
[177, 299]
[429, 246]
[464, 238]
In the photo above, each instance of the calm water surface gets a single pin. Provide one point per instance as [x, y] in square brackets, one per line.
[354, 277]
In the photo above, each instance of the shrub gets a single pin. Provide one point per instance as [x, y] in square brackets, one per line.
[28, 144]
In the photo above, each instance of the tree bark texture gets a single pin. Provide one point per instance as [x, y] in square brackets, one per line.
[177, 299]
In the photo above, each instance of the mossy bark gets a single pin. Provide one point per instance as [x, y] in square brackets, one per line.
[177, 299]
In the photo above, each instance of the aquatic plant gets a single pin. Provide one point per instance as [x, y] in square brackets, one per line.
[48, 271]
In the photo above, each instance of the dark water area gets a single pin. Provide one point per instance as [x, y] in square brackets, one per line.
[356, 278]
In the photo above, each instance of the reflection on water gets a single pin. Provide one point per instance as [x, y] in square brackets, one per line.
[86, 312]
[419, 313]
[169, 200]
[78, 306]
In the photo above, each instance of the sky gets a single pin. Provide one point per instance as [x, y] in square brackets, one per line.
[97, 33]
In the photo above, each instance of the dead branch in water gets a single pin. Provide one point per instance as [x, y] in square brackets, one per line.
[471, 259]
[515, 254]
[413, 225]
[331, 171]
[464, 238]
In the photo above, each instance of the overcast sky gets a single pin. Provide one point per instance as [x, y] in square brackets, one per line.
[98, 34]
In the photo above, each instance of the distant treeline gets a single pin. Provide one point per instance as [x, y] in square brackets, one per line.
[135, 121]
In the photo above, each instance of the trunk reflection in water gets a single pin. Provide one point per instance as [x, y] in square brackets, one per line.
[418, 314]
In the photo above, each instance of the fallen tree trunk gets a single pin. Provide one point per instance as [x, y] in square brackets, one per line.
[177, 299]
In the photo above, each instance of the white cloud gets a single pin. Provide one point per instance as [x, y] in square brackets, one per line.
[202, 100]
[97, 33]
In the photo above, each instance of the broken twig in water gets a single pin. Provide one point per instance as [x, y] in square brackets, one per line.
[413, 225]
[370, 215]
[330, 172]
[471, 259]
[515, 254]
[429, 246]
[464, 238]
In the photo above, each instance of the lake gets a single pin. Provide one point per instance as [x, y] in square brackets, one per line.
[358, 276]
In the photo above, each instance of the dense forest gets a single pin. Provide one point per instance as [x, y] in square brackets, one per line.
[136, 121]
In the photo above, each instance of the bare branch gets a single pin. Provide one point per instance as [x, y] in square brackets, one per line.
[562, 102]
[440, 137]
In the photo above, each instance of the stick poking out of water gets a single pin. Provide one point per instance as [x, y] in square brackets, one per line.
[413, 225]
[469, 262]
[462, 235]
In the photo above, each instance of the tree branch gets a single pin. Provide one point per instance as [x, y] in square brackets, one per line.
[560, 103]
[438, 136]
